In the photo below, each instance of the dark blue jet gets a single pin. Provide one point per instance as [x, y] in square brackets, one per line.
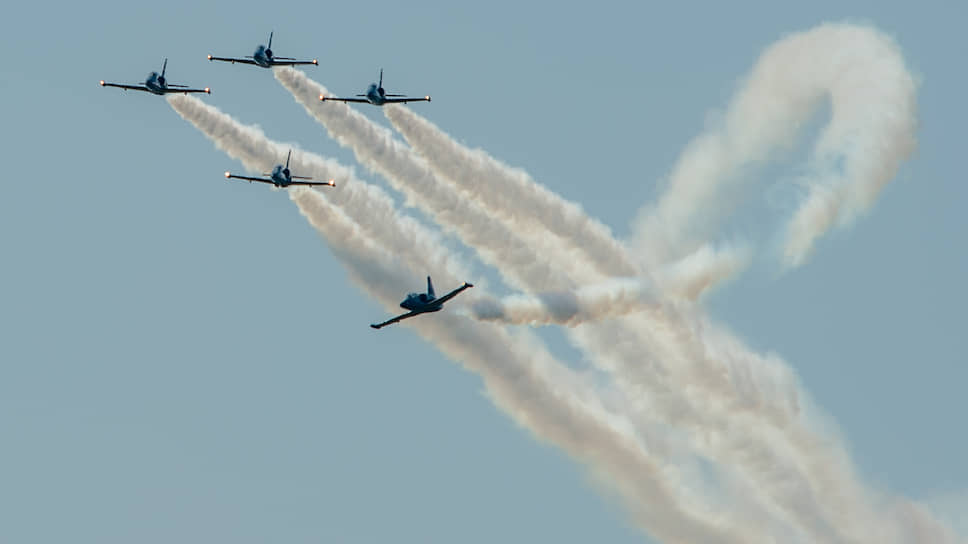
[377, 96]
[421, 303]
[263, 57]
[157, 84]
[282, 177]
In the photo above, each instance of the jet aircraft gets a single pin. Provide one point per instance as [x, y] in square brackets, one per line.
[281, 177]
[263, 57]
[377, 96]
[157, 84]
[419, 303]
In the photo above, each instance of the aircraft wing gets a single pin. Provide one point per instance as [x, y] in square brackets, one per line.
[453, 293]
[330, 183]
[247, 178]
[126, 87]
[282, 61]
[333, 98]
[405, 100]
[232, 60]
[397, 319]
[186, 90]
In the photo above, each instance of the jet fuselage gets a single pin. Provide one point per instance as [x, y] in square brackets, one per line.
[421, 302]
[376, 95]
[281, 177]
[263, 56]
[156, 83]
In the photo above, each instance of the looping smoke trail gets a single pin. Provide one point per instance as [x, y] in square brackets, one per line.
[862, 74]
[654, 355]
[773, 120]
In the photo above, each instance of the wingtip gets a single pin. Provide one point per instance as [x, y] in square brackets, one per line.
[373, 326]
[102, 82]
[322, 98]
[332, 183]
[468, 284]
[316, 62]
[210, 57]
[208, 91]
[428, 98]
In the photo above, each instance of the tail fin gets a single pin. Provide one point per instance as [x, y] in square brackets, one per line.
[270, 41]
[289, 156]
[164, 67]
[381, 78]
[430, 288]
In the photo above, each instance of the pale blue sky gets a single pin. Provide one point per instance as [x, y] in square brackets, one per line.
[182, 358]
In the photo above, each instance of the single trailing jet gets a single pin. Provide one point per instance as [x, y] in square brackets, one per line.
[420, 303]
[157, 84]
[377, 96]
[263, 57]
[281, 177]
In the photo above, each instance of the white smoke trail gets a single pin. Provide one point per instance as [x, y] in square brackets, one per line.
[258, 153]
[832, 475]
[512, 194]
[375, 148]
[657, 500]
[523, 379]
[633, 352]
[686, 279]
[871, 131]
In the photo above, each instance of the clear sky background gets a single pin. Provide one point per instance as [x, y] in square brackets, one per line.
[181, 358]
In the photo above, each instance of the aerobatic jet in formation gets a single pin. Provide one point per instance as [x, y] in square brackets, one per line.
[264, 57]
[420, 303]
[377, 96]
[157, 84]
[282, 177]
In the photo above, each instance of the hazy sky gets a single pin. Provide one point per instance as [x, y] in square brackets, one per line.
[182, 357]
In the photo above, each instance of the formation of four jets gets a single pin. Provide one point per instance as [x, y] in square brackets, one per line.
[416, 303]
